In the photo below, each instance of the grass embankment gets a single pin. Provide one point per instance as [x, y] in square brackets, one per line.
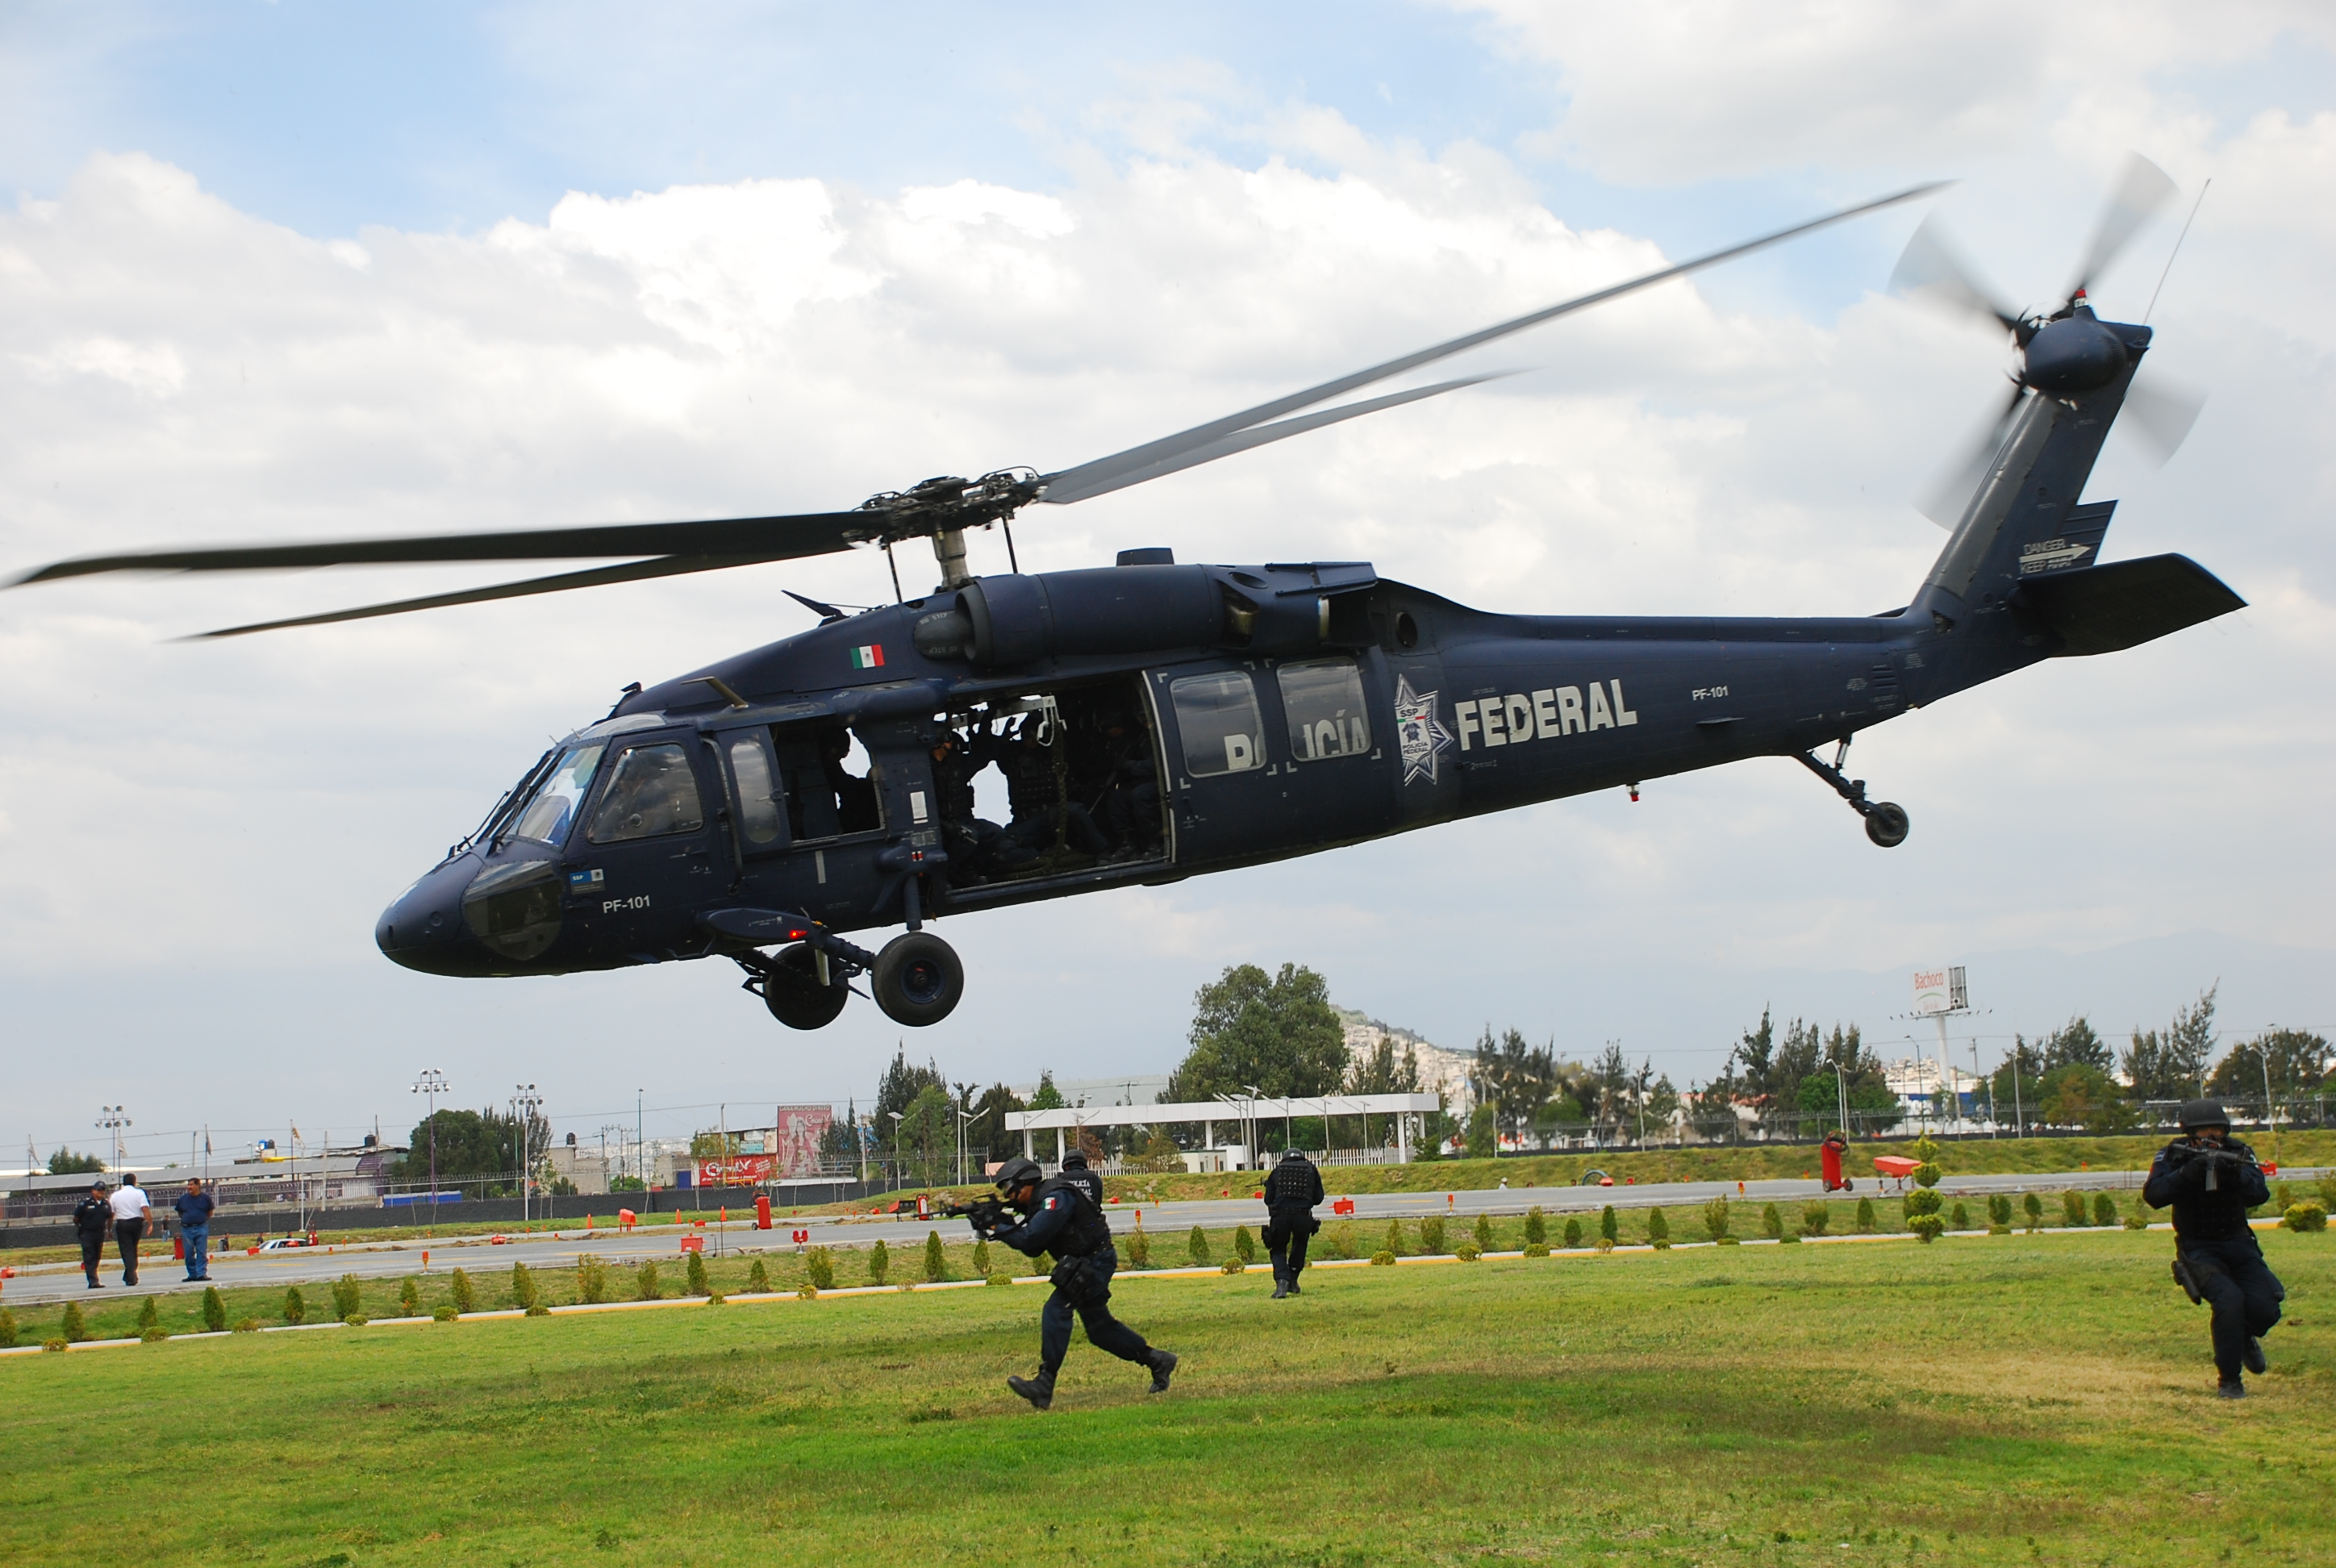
[2003, 1400]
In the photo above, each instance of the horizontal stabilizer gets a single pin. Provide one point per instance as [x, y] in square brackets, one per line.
[2122, 605]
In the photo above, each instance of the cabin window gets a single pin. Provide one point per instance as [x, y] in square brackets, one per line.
[1323, 699]
[1217, 716]
[653, 793]
[552, 809]
[758, 805]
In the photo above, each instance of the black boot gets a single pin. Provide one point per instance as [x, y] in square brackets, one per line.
[2233, 1388]
[1163, 1365]
[1293, 1284]
[1280, 1287]
[2253, 1356]
[1039, 1391]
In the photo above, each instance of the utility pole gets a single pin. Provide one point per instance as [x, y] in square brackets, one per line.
[430, 1084]
[641, 1152]
[524, 1101]
[1990, 1089]
[2018, 1112]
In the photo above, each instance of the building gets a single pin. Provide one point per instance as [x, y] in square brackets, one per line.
[1441, 1072]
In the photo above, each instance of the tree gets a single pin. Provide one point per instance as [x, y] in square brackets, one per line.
[988, 1129]
[712, 1144]
[475, 1143]
[1047, 1097]
[2075, 1043]
[2078, 1095]
[898, 1089]
[838, 1144]
[1279, 1034]
[2297, 1063]
[2173, 1066]
[1514, 1079]
[927, 1141]
[2020, 1099]
[65, 1163]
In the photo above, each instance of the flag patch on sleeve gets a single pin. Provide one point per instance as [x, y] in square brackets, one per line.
[870, 655]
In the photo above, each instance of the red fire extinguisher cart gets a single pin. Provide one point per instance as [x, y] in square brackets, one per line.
[1829, 1154]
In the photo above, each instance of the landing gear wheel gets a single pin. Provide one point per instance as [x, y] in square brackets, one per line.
[1887, 824]
[790, 989]
[917, 979]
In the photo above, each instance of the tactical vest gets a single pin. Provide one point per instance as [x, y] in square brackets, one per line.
[1087, 1232]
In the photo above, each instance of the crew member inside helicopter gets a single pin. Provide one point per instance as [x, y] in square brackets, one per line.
[824, 797]
[1038, 776]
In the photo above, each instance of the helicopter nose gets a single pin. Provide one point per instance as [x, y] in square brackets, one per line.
[423, 929]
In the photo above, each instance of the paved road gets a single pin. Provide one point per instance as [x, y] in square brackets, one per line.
[374, 1260]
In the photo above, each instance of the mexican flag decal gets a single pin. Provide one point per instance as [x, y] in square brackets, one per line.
[870, 657]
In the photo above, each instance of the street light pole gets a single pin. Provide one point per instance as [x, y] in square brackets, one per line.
[524, 1101]
[896, 1146]
[430, 1084]
[111, 1120]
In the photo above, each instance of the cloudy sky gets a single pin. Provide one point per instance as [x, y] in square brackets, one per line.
[291, 270]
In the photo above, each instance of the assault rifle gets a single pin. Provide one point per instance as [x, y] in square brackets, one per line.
[2217, 1161]
[986, 1212]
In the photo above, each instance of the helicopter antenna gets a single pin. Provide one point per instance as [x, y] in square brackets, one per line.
[2176, 250]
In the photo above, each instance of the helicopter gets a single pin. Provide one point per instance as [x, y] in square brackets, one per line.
[1159, 720]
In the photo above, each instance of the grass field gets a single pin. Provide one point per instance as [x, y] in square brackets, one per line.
[2006, 1399]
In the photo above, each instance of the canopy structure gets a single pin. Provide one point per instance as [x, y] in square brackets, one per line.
[1243, 1110]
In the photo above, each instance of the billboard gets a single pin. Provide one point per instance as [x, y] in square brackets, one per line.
[738, 1171]
[1940, 990]
[799, 1130]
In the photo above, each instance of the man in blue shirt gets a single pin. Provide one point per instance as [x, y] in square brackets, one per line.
[195, 1206]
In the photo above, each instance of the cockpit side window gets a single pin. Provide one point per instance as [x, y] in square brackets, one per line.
[759, 820]
[652, 793]
[551, 810]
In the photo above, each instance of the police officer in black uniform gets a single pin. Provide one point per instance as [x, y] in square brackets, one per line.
[1290, 1193]
[2212, 1179]
[1059, 1217]
[1075, 1169]
[93, 1221]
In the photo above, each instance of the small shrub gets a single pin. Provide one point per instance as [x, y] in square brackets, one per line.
[155, 1335]
[819, 1267]
[2305, 1216]
[1244, 1245]
[1394, 1242]
[1605, 1244]
[295, 1305]
[1383, 1257]
[466, 1295]
[1536, 1249]
[2138, 1220]
[1483, 1237]
[1343, 1241]
[356, 1320]
[251, 1325]
[59, 1343]
[346, 1301]
[1659, 1230]
[8, 1329]
[1609, 1228]
[2072, 1208]
[1468, 1252]
[409, 1296]
[1573, 1235]
[1814, 1218]
[1536, 1228]
[1922, 1206]
[1715, 1216]
[936, 1259]
[2104, 1210]
[1001, 1278]
[2033, 1207]
[1960, 1219]
[880, 1263]
[524, 1290]
[695, 1281]
[1196, 1248]
[150, 1315]
[807, 1292]
[1865, 1220]
[1139, 1252]
[1998, 1211]
[1431, 1233]
[758, 1279]
[649, 1288]
[1772, 1222]
[592, 1280]
[534, 1309]
[446, 1313]
[1232, 1265]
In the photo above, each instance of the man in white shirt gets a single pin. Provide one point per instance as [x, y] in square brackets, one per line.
[130, 1211]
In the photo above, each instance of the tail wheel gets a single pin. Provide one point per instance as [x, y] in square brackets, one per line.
[1887, 824]
[917, 979]
[790, 989]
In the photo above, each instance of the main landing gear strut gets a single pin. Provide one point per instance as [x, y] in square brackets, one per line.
[916, 980]
[1885, 820]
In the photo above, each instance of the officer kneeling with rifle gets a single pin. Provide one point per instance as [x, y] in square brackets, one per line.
[2212, 1179]
[1059, 1217]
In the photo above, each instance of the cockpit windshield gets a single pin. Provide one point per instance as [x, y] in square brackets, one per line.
[551, 809]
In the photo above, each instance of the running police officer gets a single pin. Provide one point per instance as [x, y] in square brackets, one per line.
[2212, 1179]
[1059, 1217]
[1291, 1194]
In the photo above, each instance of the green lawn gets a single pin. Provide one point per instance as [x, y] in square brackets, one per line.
[2009, 1399]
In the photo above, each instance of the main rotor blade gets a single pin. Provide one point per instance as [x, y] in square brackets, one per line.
[1245, 440]
[748, 538]
[635, 571]
[1950, 493]
[1931, 267]
[2142, 189]
[1089, 478]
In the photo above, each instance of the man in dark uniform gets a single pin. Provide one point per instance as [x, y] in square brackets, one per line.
[1075, 1169]
[1290, 1193]
[972, 842]
[1059, 1217]
[92, 1223]
[2212, 1179]
[1034, 791]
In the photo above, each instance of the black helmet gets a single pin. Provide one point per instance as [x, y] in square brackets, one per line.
[1075, 1161]
[2196, 1114]
[1290, 1154]
[1015, 1174]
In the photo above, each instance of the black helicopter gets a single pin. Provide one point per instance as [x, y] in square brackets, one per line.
[1158, 720]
